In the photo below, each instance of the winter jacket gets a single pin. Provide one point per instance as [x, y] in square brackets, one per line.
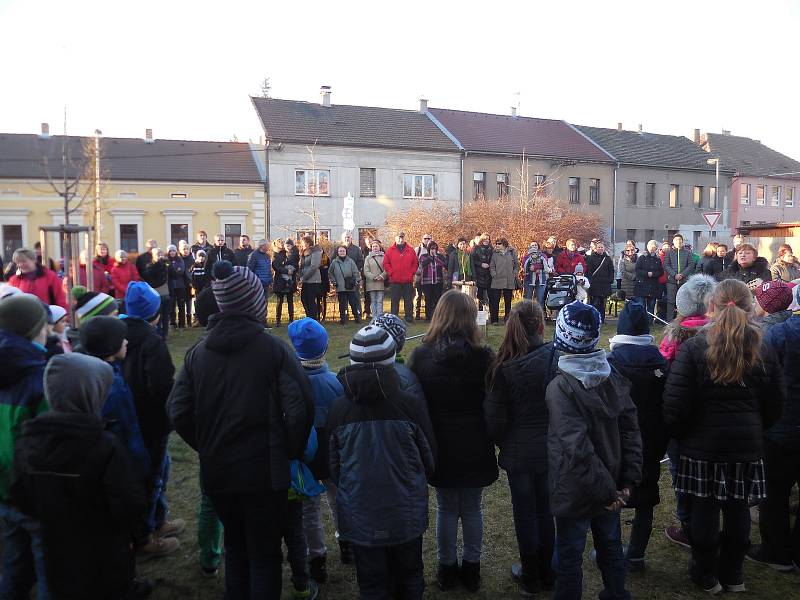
[663, 279]
[354, 252]
[459, 266]
[341, 269]
[640, 362]
[678, 332]
[679, 261]
[283, 282]
[373, 267]
[593, 444]
[310, 264]
[567, 261]
[218, 253]
[205, 305]
[758, 270]
[539, 276]
[452, 374]
[42, 283]
[21, 395]
[503, 268]
[409, 383]
[600, 270]
[482, 255]
[78, 481]
[785, 271]
[784, 339]
[434, 267]
[627, 272]
[200, 276]
[715, 422]
[648, 287]
[515, 410]
[243, 402]
[101, 273]
[770, 321]
[710, 265]
[325, 389]
[156, 275]
[400, 263]
[382, 453]
[242, 255]
[121, 276]
[196, 247]
[178, 277]
[259, 263]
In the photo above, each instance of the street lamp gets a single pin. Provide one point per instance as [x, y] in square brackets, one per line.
[715, 162]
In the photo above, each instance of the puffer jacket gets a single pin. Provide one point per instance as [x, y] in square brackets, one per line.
[373, 267]
[452, 374]
[593, 442]
[503, 268]
[721, 423]
[283, 282]
[382, 453]
[259, 263]
[409, 383]
[678, 332]
[710, 265]
[482, 255]
[600, 270]
[627, 272]
[310, 263]
[178, 277]
[567, 261]
[784, 339]
[785, 271]
[119, 410]
[758, 270]
[219, 253]
[341, 269]
[400, 264]
[648, 287]
[769, 321]
[515, 410]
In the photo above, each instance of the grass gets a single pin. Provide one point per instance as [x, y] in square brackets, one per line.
[178, 576]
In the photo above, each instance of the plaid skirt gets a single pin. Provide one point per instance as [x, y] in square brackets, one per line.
[722, 481]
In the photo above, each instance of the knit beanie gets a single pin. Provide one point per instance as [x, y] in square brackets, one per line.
[142, 301]
[23, 314]
[692, 297]
[372, 344]
[774, 296]
[577, 328]
[102, 336]
[309, 338]
[238, 289]
[6, 290]
[56, 314]
[394, 326]
[91, 304]
[633, 320]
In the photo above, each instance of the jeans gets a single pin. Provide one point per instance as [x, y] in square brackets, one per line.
[570, 544]
[672, 292]
[279, 306]
[782, 471]
[350, 298]
[266, 300]
[308, 297]
[718, 555]
[453, 504]
[406, 292]
[23, 556]
[683, 502]
[535, 292]
[313, 526]
[163, 322]
[209, 534]
[178, 301]
[253, 553]
[650, 306]
[432, 291]
[533, 522]
[296, 549]
[159, 509]
[483, 297]
[394, 572]
[494, 303]
[376, 302]
[599, 302]
[641, 529]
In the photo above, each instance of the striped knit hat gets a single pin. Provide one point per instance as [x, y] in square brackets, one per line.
[371, 344]
[577, 328]
[238, 289]
[92, 304]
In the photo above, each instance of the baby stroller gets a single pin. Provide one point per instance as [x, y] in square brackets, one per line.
[560, 291]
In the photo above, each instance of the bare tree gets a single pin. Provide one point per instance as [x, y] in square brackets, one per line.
[311, 185]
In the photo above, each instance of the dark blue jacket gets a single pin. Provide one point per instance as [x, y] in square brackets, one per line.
[784, 338]
[325, 388]
[119, 410]
[260, 264]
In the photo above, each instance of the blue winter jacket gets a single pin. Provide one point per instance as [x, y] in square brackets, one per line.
[260, 264]
[784, 338]
[325, 388]
[120, 412]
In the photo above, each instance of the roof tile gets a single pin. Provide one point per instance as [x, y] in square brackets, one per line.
[750, 157]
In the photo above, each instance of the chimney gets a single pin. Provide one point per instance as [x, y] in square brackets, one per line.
[640, 128]
[619, 126]
[696, 136]
[514, 111]
[148, 136]
[45, 130]
[423, 105]
[325, 92]
[726, 132]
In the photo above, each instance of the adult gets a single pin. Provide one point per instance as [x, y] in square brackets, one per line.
[738, 240]
[503, 267]
[242, 253]
[551, 248]
[122, 273]
[375, 278]
[184, 251]
[346, 280]
[310, 277]
[569, 258]
[244, 404]
[786, 267]
[600, 270]
[179, 281]
[710, 263]
[420, 250]
[749, 267]
[33, 278]
[260, 263]
[219, 251]
[202, 243]
[536, 268]
[722, 254]
[145, 256]
[365, 250]
[433, 265]
[661, 305]
[459, 263]
[285, 264]
[400, 263]
[679, 266]
[626, 268]
[353, 251]
[156, 275]
[481, 262]
[102, 263]
[649, 270]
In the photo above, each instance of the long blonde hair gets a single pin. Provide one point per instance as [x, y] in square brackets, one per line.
[734, 342]
[455, 317]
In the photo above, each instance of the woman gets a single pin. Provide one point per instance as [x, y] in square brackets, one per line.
[433, 265]
[102, 263]
[724, 389]
[122, 273]
[310, 277]
[722, 254]
[346, 280]
[786, 267]
[626, 269]
[185, 252]
[600, 270]
[537, 267]
[649, 270]
[748, 267]
[569, 258]
[517, 419]
[284, 284]
[503, 268]
[451, 365]
[710, 263]
[375, 278]
[178, 284]
[156, 275]
[325, 283]
[481, 261]
[459, 265]
[33, 278]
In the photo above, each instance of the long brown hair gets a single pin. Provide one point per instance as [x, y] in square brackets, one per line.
[525, 321]
[455, 317]
[734, 343]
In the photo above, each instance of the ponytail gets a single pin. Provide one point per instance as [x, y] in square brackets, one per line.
[734, 343]
[525, 320]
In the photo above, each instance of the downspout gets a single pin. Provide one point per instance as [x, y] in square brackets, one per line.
[266, 191]
[461, 181]
[614, 212]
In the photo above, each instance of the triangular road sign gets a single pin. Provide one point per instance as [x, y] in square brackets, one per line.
[712, 218]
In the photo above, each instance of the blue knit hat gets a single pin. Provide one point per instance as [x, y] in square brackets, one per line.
[309, 338]
[142, 301]
[577, 328]
[633, 319]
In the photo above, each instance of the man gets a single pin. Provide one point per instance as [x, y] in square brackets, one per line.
[202, 243]
[145, 257]
[353, 251]
[219, 252]
[364, 254]
[261, 264]
[242, 253]
[419, 251]
[401, 264]
[730, 257]
[679, 265]
[243, 402]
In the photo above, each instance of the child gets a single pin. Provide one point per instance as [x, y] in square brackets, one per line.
[594, 453]
[200, 275]
[86, 306]
[57, 342]
[772, 303]
[396, 327]
[583, 285]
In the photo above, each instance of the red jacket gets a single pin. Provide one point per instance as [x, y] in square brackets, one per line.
[401, 266]
[99, 283]
[663, 279]
[121, 276]
[45, 285]
[566, 266]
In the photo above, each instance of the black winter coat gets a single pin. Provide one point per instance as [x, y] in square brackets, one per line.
[481, 254]
[648, 287]
[178, 276]
[720, 423]
[711, 265]
[600, 270]
[156, 273]
[515, 410]
[241, 255]
[244, 403]
[280, 260]
[452, 375]
[77, 480]
[758, 270]
[218, 253]
[784, 338]
[205, 305]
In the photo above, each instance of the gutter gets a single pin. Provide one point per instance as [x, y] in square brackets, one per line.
[461, 148]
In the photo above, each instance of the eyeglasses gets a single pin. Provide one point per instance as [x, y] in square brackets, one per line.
[426, 238]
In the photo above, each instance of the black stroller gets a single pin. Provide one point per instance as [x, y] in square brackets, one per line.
[560, 291]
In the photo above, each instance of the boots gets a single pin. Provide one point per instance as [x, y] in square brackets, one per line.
[346, 552]
[526, 575]
[447, 576]
[471, 575]
[318, 569]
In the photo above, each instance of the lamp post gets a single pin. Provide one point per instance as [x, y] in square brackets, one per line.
[715, 162]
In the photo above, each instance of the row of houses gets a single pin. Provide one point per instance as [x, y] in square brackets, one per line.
[643, 185]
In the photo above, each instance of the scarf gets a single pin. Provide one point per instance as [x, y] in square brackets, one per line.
[313, 363]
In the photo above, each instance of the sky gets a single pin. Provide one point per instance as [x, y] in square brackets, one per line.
[187, 69]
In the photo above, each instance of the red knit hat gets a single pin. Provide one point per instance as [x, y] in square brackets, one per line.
[774, 296]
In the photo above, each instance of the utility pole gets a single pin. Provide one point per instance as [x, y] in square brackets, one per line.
[266, 190]
[98, 227]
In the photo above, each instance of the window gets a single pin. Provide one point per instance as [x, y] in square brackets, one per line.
[179, 195]
[761, 195]
[712, 198]
[127, 195]
[594, 191]
[630, 234]
[233, 231]
[366, 187]
[233, 196]
[776, 195]
[744, 193]
[789, 198]
[311, 183]
[650, 194]
[574, 190]
[674, 196]
[696, 240]
[178, 232]
[630, 195]
[12, 239]
[539, 185]
[129, 237]
[322, 234]
[649, 234]
[698, 196]
[502, 185]
[478, 185]
[418, 186]
[10, 193]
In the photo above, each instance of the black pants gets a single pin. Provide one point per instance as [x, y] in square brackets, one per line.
[296, 548]
[367, 305]
[163, 322]
[494, 303]
[406, 292]
[783, 472]
[418, 295]
[483, 293]
[188, 303]
[350, 298]
[599, 302]
[390, 571]
[716, 555]
[432, 291]
[178, 302]
[279, 306]
[308, 296]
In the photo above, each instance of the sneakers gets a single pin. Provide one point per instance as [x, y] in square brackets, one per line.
[318, 569]
[678, 536]
[528, 586]
[757, 553]
[708, 584]
[346, 553]
[734, 587]
[310, 593]
[447, 576]
[171, 528]
[755, 514]
[636, 565]
[470, 575]
[209, 572]
[158, 547]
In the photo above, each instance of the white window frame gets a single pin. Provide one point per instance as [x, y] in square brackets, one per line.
[596, 189]
[788, 198]
[178, 216]
[316, 173]
[127, 196]
[745, 199]
[57, 217]
[677, 188]
[424, 196]
[697, 202]
[232, 217]
[232, 196]
[712, 197]
[179, 195]
[128, 216]
[361, 172]
[15, 216]
[763, 201]
[775, 197]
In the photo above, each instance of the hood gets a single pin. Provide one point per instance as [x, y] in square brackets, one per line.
[683, 330]
[369, 383]
[232, 331]
[636, 340]
[54, 431]
[778, 317]
[590, 369]
[138, 329]
[77, 383]
[637, 362]
[20, 358]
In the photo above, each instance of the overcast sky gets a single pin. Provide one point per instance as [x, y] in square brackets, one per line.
[187, 70]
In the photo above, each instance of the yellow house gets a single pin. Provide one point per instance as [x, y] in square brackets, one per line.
[166, 190]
